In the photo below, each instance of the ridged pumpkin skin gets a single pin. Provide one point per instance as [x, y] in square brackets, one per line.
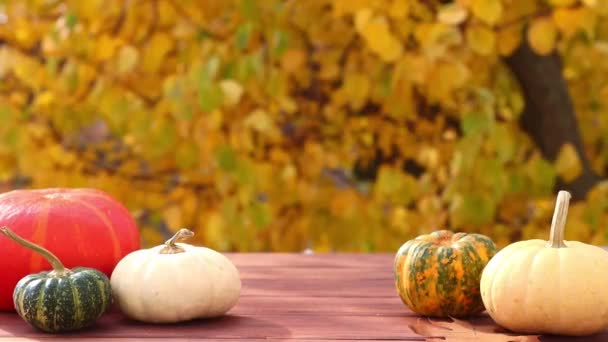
[438, 274]
[59, 303]
[82, 227]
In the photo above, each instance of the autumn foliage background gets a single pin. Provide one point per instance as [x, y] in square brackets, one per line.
[342, 125]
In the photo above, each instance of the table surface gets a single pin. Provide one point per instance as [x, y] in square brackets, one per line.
[295, 297]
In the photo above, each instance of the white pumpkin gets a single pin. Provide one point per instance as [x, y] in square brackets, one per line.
[555, 287]
[175, 282]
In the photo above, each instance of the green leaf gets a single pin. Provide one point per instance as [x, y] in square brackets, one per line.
[226, 158]
[542, 175]
[164, 139]
[243, 34]
[492, 176]
[229, 70]
[73, 80]
[244, 173]
[209, 96]
[259, 214]
[516, 183]
[202, 34]
[280, 43]
[52, 66]
[211, 69]
[187, 156]
[12, 138]
[185, 111]
[249, 9]
[502, 138]
[6, 113]
[71, 20]
[251, 65]
[475, 123]
[475, 209]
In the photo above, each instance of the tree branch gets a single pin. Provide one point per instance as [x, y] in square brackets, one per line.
[549, 115]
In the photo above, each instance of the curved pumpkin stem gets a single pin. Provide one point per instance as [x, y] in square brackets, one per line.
[171, 247]
[556, 237]
[58, 267]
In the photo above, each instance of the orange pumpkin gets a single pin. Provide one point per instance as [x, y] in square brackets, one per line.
[82, 227]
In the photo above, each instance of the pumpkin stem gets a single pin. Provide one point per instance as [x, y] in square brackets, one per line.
[58, 268]
[171, 247]
[556, 237]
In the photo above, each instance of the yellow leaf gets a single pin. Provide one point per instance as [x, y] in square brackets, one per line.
[488, 11]
[43, 100]
[436, 38]
[562, 2]
[6, 60]
[262, 122]
[445, 78]
[287, 104]
[356, 89]
[232, 92]
[399, 9]
[105, 47]
[571, 20]
[167, 15]
[379, 38]
[542, 35]
[481, 39]
[412, 68]
[598, 6]
[509, 39]
[289, 173]
[215, 231]
[157, 48]
[173, 217]
[568, 164]
[24, 33]
[28, 71]
[344, 7]
[86, 9]
[293, 59]
[60, 155]
[452, 14]
[362, 18]
[127, 58]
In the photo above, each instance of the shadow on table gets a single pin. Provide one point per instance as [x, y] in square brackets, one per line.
[115, 325]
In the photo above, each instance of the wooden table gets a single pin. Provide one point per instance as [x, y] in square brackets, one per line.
[289, 297]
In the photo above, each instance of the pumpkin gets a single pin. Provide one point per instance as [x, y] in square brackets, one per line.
[62, 299]
[555, 287]
[83, 227]
[437, 274]
[175, 282]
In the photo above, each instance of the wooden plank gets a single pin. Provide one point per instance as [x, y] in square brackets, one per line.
[274, 273]
[315, 261]
[286, 297]
[237, 327]
[315, 288]
[314, 306]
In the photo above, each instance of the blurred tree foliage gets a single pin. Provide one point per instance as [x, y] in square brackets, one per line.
[345, 125]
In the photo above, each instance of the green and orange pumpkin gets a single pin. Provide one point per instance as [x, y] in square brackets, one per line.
[438, 274]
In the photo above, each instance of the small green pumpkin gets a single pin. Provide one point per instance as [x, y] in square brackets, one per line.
[62, 299]
[438, 274]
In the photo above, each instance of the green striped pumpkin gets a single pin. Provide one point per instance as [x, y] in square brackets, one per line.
[438, 274]
[62, 299]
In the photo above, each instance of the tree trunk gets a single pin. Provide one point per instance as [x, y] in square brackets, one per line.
[549, 115]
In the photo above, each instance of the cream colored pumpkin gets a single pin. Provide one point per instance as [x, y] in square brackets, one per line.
[555, 287]
[175, 282]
